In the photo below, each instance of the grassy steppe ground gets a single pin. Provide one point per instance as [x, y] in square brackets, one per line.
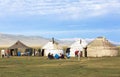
[42, 67]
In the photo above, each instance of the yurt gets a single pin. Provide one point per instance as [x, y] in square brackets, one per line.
[79, 45]
[101, 47]
[17, 47]
[52, 47]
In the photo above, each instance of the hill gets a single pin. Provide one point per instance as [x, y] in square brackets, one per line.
[7, 40]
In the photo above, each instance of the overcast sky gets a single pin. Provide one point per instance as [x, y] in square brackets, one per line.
[61, 18]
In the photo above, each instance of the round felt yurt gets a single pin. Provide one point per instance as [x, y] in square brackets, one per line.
[52, 47]
[18, 47]
[78, 46]
[101, 47]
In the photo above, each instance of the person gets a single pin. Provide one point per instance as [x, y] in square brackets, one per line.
[62, 56]
[7, 53]
[68, 55]
[76, 53]
[68, 50]
[2, 53]
[50, 56]
[36, 53]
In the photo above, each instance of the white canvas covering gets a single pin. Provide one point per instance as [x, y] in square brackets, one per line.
[52, 48]
[49, 46]
[77, 46]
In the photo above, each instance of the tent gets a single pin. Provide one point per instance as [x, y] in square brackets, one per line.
[101, 47]
[51, 47]
[18, 47]
[78, 45]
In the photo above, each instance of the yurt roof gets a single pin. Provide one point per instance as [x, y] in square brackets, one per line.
[79, 43]
[18, 44]
[51, 45]
[100, 41]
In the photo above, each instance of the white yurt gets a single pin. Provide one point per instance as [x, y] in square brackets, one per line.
[78, 45]
[52, 48]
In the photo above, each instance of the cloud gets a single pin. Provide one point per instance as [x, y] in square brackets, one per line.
[66, 9]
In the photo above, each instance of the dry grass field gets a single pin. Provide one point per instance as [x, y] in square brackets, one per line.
[42, 67]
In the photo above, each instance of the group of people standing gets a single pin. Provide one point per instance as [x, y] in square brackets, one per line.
[78, 53]
[4, 53]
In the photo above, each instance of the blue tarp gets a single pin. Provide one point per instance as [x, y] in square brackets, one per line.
[57, 56]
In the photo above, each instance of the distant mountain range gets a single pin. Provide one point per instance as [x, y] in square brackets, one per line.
[7, 40]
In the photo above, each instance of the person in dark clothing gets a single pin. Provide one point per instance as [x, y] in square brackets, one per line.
[76, 53]
[62, 56]
[50, 56]
[68, 53]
